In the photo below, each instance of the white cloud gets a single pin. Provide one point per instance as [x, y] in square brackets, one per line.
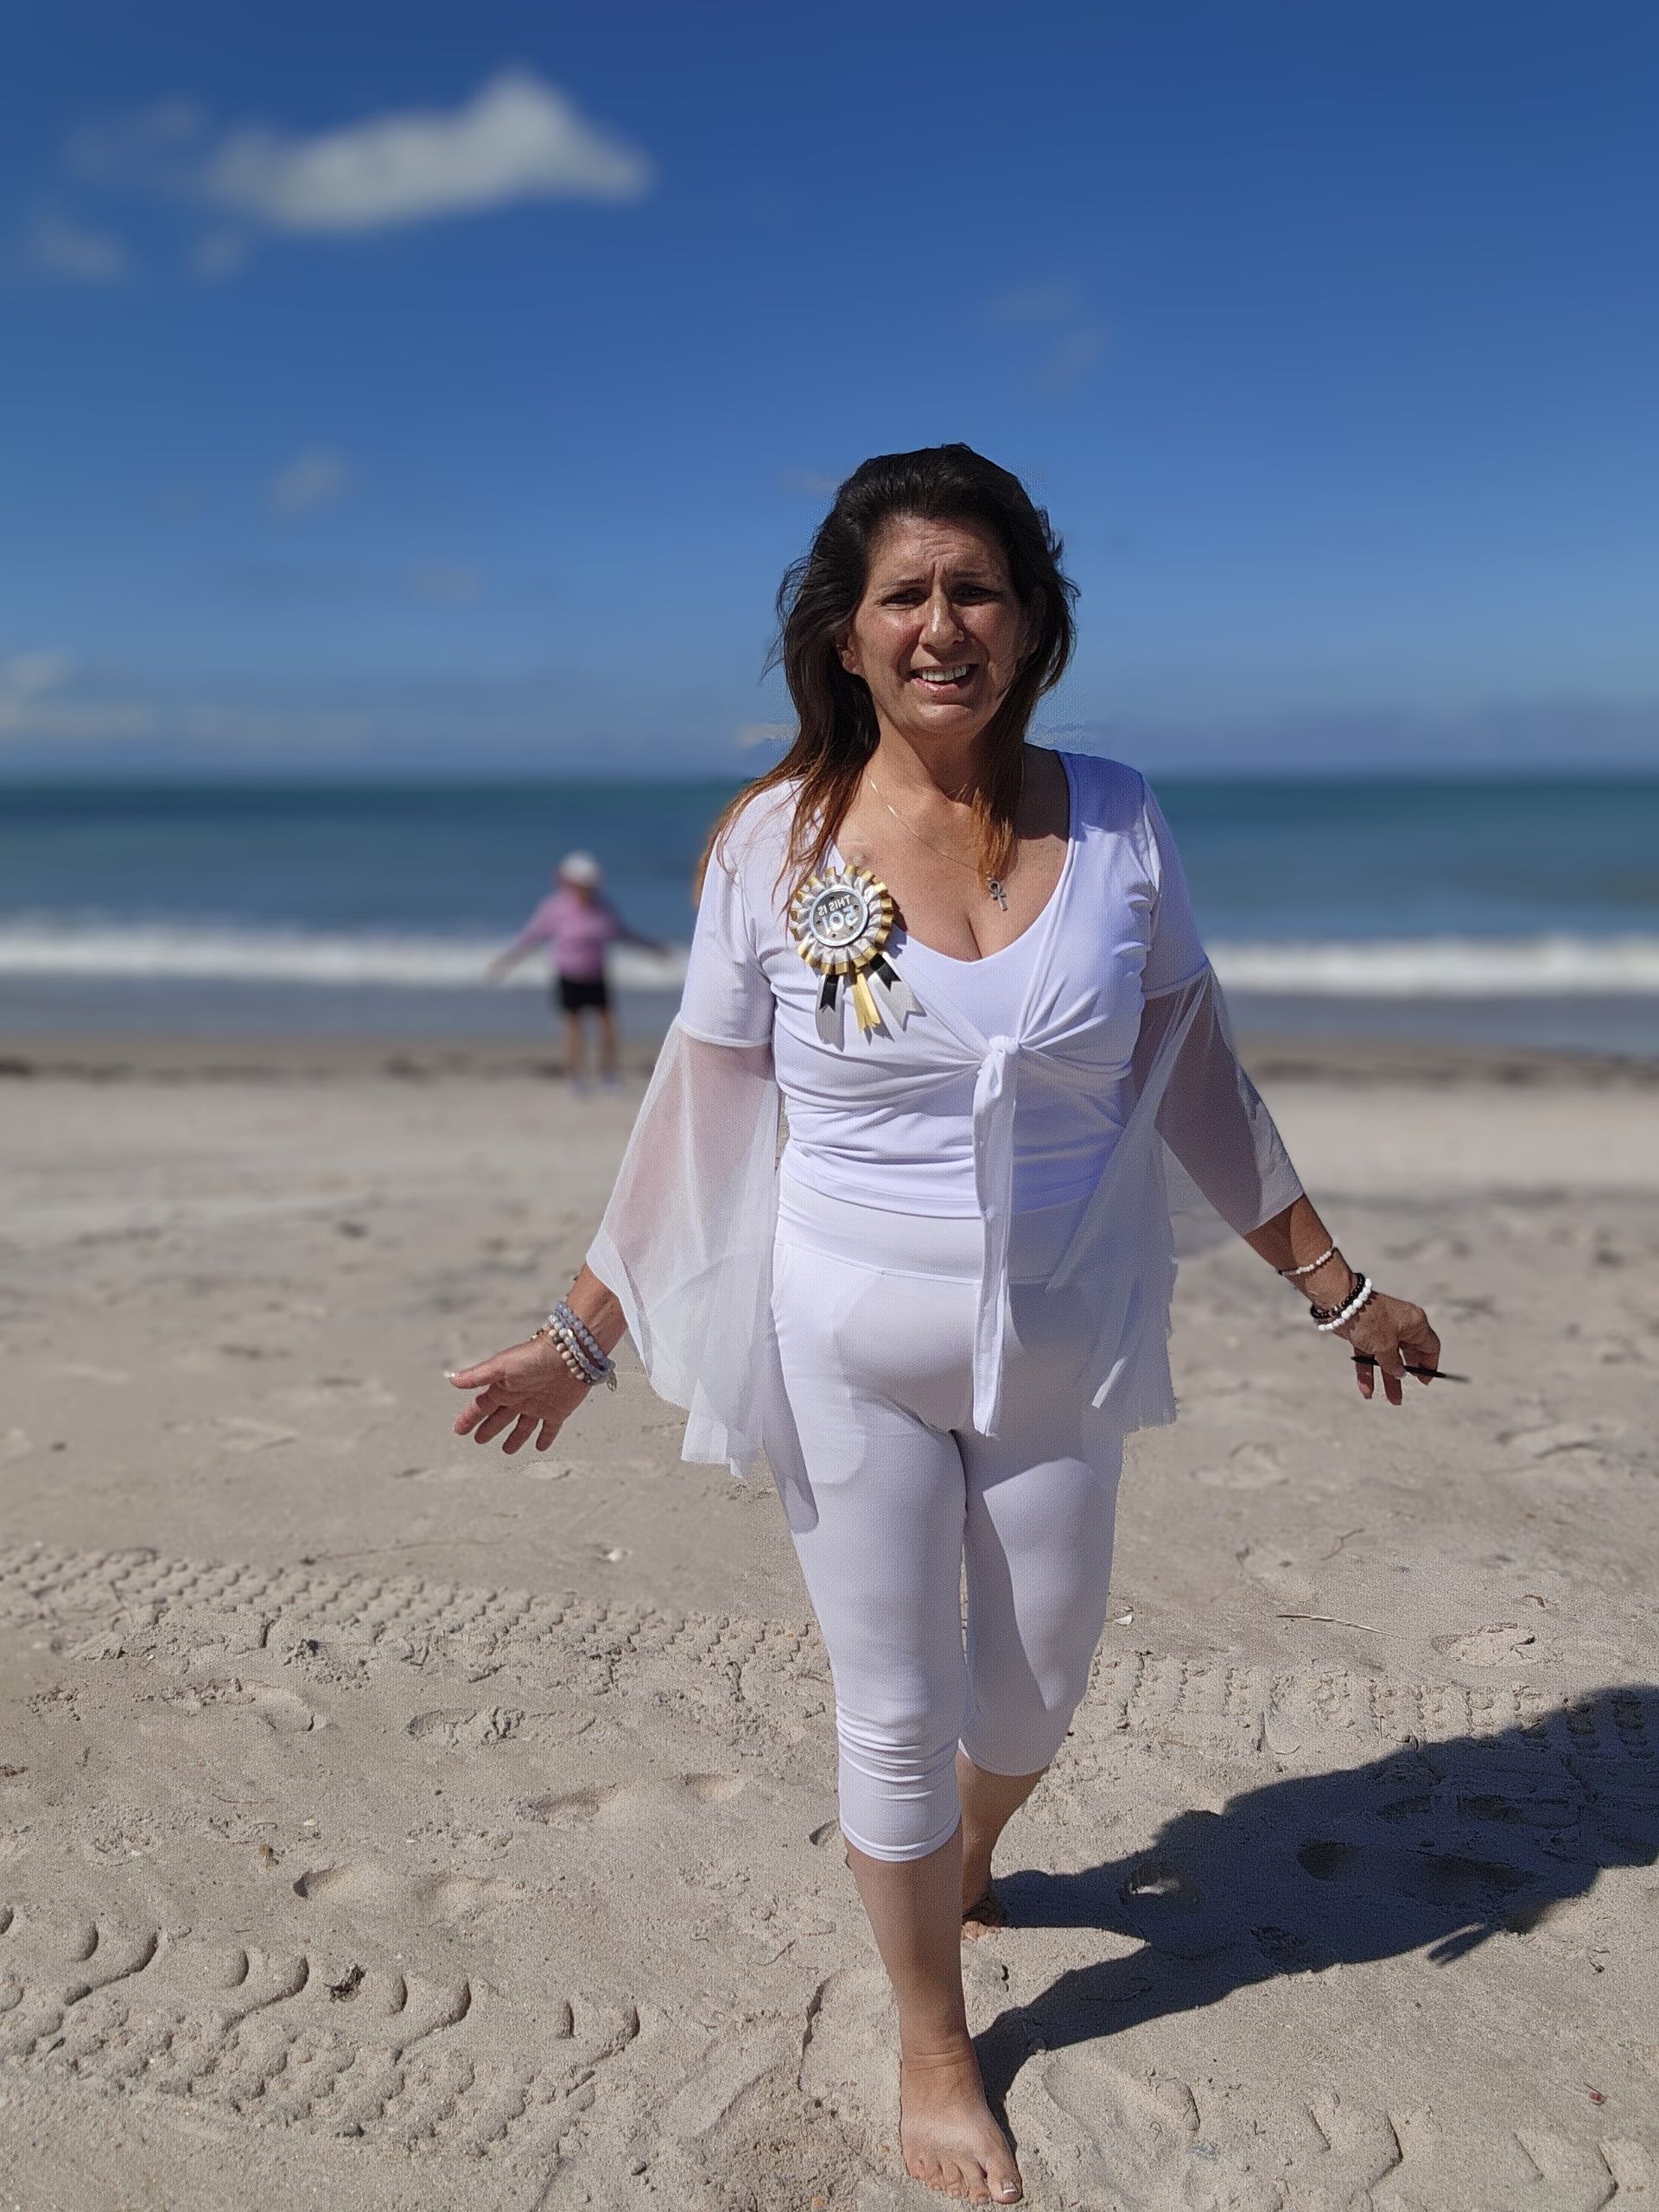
[31, 707]
[751, 735]
[516, 138]
[313, 479]
[242, 728]
[45, 701]
[86, 720]
[66, 247]
[26, 675]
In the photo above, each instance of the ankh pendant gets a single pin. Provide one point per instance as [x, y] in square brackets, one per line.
[994, 884]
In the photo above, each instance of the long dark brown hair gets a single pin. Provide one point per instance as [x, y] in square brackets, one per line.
[817, 598]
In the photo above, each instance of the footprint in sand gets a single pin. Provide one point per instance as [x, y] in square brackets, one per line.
[1505, 1643]
[281, 1711]
[1249, 1466]
[1167, 1885]
[1108, 2137]
[1168, 1911]
[607, 1801]
[241, 1433]
[1283, 1949]
[340, 1393]
[473, 1728]
[1588, 1439]
[1438, 1879]
[446, 1897]
[1536, 1810]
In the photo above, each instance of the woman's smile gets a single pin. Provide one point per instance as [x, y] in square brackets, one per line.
[942, 680]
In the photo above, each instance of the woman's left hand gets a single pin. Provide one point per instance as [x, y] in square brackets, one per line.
[1388, 1336]
[527, 1390]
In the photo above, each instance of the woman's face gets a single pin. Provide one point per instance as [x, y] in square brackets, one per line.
[939, 635]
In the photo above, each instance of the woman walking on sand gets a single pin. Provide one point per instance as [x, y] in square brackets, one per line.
[578, 925]
[969, 969]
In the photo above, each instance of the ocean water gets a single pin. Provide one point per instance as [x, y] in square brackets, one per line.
[1520, 911]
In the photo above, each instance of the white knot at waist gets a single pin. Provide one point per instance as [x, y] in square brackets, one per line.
[994, 1090]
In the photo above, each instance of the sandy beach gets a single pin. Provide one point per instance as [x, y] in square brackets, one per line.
[387, 1823]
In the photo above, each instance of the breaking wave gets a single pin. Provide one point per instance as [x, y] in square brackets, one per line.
[1383, 967]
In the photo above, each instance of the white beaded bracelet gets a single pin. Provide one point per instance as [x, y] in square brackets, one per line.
[567, 1354]
[1347, 1312]
[1291, 1274]
[585, 1366]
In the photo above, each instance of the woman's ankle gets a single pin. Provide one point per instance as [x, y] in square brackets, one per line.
[940, 2046]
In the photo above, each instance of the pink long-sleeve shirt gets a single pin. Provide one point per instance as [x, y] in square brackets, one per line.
[577, 931]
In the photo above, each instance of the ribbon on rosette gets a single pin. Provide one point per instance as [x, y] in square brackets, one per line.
[841, 922]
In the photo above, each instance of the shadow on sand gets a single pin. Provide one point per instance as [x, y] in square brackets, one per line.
[1440, 1846]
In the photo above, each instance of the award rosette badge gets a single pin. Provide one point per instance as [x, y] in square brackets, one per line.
[842, 921]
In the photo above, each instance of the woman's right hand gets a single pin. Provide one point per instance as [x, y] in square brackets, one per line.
[524, 1389]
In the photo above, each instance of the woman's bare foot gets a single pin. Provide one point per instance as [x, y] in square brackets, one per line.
[946, 2132]
[985, 1913]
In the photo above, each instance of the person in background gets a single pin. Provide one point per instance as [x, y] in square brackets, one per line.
[578, 925]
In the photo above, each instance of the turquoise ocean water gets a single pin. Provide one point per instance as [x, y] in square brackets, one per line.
[1516, 912]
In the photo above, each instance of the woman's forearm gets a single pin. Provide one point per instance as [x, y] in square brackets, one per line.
[1291, 1239]
[1211, 1114]
[599, 1308]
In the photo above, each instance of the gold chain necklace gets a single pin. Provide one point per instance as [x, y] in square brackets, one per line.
[995, 886]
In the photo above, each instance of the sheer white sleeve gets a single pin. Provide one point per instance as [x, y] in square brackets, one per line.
[1196, 1135]
[685, 1243]
[1223, 1141]
[1221, 1137]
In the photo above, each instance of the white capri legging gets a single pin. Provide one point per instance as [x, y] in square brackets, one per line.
[874, 1315]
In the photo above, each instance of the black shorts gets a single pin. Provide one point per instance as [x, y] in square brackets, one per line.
[575, 994]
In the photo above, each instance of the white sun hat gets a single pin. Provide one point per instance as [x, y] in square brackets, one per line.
[580, 868]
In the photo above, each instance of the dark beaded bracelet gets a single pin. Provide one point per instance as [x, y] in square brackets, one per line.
[1329, 1312]
[1361, 1291]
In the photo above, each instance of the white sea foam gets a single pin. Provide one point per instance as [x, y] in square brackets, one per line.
[183, 952]
[1390, 967]
[1444, 967]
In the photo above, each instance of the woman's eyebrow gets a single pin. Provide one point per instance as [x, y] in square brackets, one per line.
[952, 576]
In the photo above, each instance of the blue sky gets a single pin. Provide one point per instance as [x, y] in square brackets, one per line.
[428, 388]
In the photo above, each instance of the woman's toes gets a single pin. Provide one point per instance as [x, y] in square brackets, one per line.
[985, 1913]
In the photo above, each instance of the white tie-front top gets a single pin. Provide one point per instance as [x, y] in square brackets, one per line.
[1111, 1051]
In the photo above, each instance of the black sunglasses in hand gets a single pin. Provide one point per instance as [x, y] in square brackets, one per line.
[1434, 1374]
